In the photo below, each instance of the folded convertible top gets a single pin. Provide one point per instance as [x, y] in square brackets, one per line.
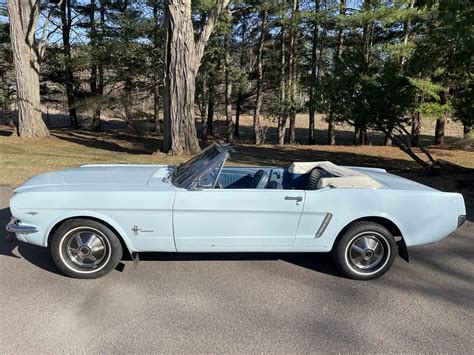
[342, 177]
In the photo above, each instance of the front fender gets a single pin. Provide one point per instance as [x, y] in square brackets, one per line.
[88, 214]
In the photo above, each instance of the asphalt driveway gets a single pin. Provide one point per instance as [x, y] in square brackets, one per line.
[239, 303]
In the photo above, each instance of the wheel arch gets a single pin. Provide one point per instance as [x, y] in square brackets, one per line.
[386, 222]
[117, 230]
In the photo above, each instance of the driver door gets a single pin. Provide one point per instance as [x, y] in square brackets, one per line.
[236, 220]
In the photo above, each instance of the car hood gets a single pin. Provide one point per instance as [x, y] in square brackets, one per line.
[98, 175]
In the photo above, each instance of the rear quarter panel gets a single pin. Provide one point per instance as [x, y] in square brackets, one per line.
[422, 216]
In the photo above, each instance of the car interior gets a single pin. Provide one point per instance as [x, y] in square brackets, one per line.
[270, 178]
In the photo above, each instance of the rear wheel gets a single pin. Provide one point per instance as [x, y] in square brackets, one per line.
[86, 249]
[365, 251]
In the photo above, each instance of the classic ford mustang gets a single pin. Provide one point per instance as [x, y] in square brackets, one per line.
[89, 215]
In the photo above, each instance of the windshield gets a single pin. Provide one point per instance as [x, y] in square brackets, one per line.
[184, 173]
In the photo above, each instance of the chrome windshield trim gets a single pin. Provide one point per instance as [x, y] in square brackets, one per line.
[223, 153]
[14, 227]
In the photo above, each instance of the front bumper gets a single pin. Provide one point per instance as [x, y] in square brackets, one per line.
[15, 227]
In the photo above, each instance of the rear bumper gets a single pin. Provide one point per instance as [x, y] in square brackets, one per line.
[15, 227]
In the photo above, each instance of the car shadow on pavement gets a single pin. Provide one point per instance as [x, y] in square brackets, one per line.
[7, 241]
[41, 257]
[10, 246]
[319, 262]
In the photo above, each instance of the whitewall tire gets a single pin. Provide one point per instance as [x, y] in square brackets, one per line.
[85, 249]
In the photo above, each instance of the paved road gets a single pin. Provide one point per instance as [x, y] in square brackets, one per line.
[239, 303]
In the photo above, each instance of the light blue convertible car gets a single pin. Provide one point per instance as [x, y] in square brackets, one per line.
[89, 215]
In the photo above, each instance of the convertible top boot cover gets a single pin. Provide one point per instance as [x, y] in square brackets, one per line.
[342, 177]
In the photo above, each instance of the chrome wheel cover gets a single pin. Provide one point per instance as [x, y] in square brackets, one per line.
[367, 252]
[86, 248]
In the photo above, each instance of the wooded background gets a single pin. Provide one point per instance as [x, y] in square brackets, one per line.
[172, 66]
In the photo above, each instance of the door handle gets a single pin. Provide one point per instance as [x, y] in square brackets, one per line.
[294, 198]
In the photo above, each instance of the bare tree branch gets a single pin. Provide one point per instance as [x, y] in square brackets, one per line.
[42, 44]
[207, 30]
[423, 149]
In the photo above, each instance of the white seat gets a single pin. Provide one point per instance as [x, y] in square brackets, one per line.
[342, 177]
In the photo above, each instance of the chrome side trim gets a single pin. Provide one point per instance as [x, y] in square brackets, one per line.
[14, 227]
[324, 225]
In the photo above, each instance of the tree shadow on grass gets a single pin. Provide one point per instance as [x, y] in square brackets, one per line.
[273, 155]
[6, 131]
[111, 141]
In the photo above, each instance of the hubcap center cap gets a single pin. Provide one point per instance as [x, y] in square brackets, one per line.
[368, 254]
[84, 251]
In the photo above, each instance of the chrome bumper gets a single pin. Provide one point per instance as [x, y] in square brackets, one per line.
[14, 227]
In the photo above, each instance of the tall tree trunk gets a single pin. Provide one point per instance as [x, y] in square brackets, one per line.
[467, 131]
[406, 34]
[156, 108]
[238, 110]
[313, 85]
[337, 58]
[331, 131]
[439, 131]
[240, 97]
[363, 135]
[367, 42]
[416, 130]
[357, 133]
[182, 60]
[387, 140]
[257, 136]
[440, 123]
[95, 72]
[23, 18]
[210, 109]
[203, 108]
[66, 22]
[180, 76]
[228, 92]
[128, 103]
[283, 117]
[292, 72]
[156, 87]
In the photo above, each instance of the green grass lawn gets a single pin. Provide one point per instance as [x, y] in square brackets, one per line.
[22, 158]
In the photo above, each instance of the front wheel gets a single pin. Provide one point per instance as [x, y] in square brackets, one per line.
[365, 251]
[85, 249]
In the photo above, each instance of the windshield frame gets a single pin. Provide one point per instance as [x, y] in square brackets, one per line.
[196, 170]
